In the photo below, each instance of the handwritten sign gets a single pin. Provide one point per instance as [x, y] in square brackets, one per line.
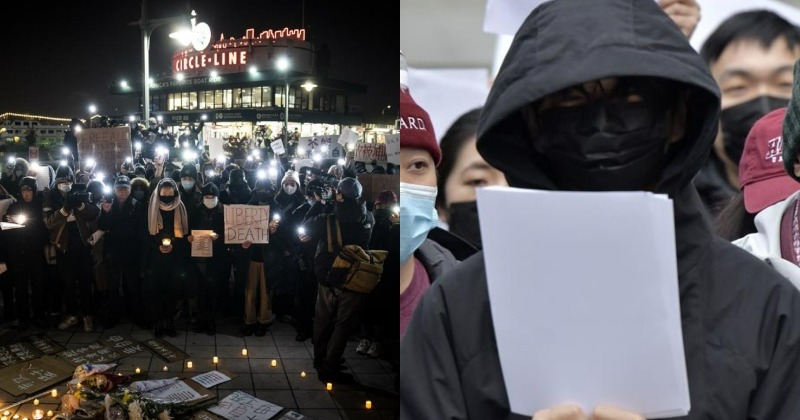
[107, 146]
[240, 405]
[176, 391]
[367, 152]
[277, 147]
[17, 352]
[246, 223]
[33, 376]
[393, 148]
[210, 379]
[124, 345]
[164, 350]
[44, 344]
[201, 243]
[90, 353]
[325, 146]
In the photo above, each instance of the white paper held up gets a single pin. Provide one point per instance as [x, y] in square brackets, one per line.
[584, 296]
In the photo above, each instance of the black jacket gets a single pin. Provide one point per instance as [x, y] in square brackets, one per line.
[740, 318]
[122, 242]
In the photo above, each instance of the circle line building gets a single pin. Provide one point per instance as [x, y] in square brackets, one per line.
[236, 84]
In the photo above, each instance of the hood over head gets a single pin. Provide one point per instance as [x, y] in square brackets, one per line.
[568, 42]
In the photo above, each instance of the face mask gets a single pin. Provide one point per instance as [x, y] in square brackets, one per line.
[327, 194]
[289, 189]
[463, 221]
[310, 201]
[19, 174]
[738, 120]
[187, 185]
[138, 195]
[605, 146]
[64, 187]
[210, 203]
[263, 196]
[417, 217]
[167, 199]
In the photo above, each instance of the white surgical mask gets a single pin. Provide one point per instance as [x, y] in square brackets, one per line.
[187, 185]
[64, 187]
[210, 203]
[290, 189]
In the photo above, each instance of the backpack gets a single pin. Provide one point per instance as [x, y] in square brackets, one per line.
[353, 268]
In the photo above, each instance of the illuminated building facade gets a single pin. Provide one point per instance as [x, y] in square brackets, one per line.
[236, 85]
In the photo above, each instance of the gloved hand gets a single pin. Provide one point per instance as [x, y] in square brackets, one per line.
[68, 205]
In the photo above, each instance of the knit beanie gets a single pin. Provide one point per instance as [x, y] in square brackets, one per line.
[416, 129]
[210, 189]
[291, 175]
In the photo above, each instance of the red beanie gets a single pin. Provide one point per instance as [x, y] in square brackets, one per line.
[416, 130]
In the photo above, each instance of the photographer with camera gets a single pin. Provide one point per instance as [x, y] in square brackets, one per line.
[68, 213]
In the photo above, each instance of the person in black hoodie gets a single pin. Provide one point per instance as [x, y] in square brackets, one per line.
[628, 62]
[26, 260]
[237, 192]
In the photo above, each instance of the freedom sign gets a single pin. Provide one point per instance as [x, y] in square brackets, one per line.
[246, 223]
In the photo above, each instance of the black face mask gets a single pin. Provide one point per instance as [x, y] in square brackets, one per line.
[264, 197]
[138, 195]
[167, 199]
[605, 146]
[462, 220]
[738, 120]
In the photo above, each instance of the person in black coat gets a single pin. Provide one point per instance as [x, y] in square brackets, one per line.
[122, 221]
[214, 271]
[26, 257]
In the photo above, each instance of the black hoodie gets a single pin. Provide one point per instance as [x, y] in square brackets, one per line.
[740, 319]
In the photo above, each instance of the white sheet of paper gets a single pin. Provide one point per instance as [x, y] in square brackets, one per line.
[176, 391]
[584, 296]
[210, 379]
[9, 226]
[240, 405]
[202, 243]
[277, 147]
[446, 94]
[393, 148]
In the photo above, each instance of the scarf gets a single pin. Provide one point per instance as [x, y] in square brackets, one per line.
[154, 221]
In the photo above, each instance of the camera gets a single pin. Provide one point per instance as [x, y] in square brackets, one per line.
[77, 194]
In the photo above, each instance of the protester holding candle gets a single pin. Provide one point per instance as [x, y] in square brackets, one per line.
[167, 228]
[26, 260]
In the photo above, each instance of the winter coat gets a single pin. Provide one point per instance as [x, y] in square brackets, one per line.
[56, 219]
[122, 242]
[739, 317]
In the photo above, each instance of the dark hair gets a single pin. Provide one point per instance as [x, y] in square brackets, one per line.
[763, 26]
[733, 221]
[464, 128]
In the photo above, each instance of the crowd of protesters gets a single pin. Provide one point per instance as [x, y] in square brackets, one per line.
[103, 249]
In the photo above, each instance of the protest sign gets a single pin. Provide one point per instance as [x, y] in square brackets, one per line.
[240, 405]
[325, 146]
[164, 350]
[107, 146]
[393, 148]
[44, 344]
[202, 243]
[33, 376]
[17, 352]
[277, 147]
[246, 223]
[89, 353]
[125, 345]
[367, 152]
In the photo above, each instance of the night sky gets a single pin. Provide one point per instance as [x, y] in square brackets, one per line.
[60, 58]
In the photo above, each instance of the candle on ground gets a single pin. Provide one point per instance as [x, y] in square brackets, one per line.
[368, 404]
[49, 413]
[302, 374]
[244, 352]
[329, 386]
[274, 363]
[38, 414]
[216, 360]
[165, 368]
[189, 364]
[138, 370]
[54, 393]
[36, 401]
